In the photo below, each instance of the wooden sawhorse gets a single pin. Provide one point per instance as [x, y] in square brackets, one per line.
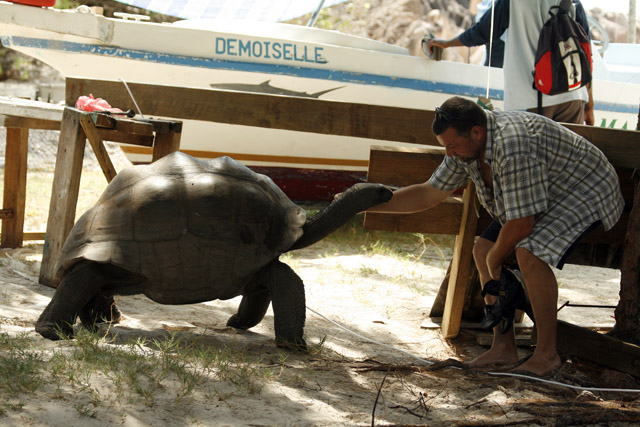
[76, 127]
[18, 116]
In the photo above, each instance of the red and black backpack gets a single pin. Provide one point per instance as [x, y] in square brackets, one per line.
[563, 59]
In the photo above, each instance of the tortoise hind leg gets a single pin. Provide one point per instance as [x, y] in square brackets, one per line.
[76, 289]
[251, 311]
[288, 302]
[101, 308]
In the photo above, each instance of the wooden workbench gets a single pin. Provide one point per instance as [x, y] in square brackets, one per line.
[19, 116]
[76, 127]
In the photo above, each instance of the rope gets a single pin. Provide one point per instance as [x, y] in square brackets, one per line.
[493, 3]
[501, 374]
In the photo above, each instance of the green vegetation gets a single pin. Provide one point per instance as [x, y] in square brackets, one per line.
[97, 372]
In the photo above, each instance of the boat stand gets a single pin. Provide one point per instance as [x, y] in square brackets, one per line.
[18, 116]
[76, 127]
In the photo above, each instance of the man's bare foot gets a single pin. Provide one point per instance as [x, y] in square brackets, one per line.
[494, 357]
[538, 365]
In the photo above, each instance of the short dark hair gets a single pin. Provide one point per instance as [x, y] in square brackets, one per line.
[460, 114]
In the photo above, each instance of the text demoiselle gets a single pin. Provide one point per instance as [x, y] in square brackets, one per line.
[287, 51]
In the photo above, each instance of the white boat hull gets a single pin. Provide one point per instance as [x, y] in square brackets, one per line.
[264, 57]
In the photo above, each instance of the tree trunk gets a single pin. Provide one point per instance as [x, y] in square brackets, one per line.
[627, 313]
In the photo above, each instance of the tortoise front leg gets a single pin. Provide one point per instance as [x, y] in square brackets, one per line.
[251, 311]
[76, 289]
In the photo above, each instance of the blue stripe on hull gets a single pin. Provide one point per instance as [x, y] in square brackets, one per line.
[303, 72]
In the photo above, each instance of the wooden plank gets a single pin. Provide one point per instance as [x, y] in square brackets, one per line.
[30, 109]
[441, 219]
[6, 213]
[34, 235]
[403, 166]
[268, 111]
[602, 349]
[95, 140]
[460, 265]
[312, 115]
[114, 135]
[15, 186]
[165, 143]
[64, 195]
[29, 123]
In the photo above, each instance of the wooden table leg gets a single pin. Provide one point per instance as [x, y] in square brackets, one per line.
[165, 143]
[15, 186]
[460, 265]
[64, 195]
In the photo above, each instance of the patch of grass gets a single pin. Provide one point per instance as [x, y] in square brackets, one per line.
[97, 374]
[20, 366]
[353, 236]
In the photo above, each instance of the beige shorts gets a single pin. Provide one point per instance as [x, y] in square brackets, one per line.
[566, 112]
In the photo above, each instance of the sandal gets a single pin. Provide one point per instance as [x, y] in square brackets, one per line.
[511, 296]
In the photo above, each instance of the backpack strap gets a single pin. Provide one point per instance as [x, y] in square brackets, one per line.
[565, 6]
[539, 101]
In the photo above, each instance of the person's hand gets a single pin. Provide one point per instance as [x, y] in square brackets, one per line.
[435, 42]
[589, 117]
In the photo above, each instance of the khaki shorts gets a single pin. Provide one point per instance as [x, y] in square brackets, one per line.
[566, 112]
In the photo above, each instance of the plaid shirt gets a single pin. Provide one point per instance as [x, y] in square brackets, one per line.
[540, 168]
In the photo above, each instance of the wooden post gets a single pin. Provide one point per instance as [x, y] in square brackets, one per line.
[165, 143]
[460, 265]
[64, 195]
[627, 312]
[15, 186]
[97, 144]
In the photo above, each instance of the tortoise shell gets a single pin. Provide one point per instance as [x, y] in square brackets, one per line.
[196, 230]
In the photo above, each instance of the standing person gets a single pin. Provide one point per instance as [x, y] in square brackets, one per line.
[544, 185]
[495, 51]
[525, 19]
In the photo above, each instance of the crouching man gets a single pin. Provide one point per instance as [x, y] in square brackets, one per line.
[545, 187]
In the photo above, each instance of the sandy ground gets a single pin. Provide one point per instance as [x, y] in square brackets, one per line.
[376, 296]
[346, 379]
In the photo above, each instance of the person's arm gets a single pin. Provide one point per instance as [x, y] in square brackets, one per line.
[411, 199]
[589, 116]
[512, 232]
[479, 34]
[581, 17]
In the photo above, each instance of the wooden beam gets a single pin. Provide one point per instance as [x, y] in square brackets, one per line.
[64, 195]
[402, 166]
[165, 143]
[460, 265]
[268, 111]
[312, 115]
[15, 186]
[97, 144]
[441, 219]
[598, 348]
[29, 123]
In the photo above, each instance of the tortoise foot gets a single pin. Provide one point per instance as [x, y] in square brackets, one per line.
[53, 331]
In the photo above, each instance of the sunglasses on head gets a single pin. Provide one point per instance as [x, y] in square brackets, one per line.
[446, 116]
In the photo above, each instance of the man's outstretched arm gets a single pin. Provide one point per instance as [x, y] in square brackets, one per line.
[414, 198]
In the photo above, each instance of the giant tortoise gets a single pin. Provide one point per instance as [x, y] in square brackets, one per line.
[183, 230]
